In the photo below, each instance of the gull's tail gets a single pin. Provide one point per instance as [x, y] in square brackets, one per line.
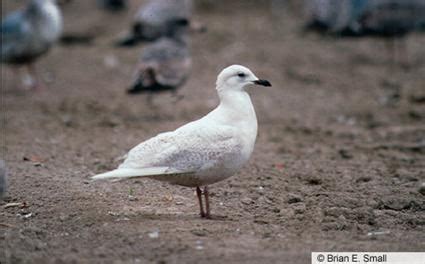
[126, 173]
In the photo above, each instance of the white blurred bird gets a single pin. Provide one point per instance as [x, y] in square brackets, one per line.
[204, 151]
[29, 33]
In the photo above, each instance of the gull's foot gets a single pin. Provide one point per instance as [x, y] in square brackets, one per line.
[205, 215]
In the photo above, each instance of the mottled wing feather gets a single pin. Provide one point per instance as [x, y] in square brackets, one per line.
[185, 151]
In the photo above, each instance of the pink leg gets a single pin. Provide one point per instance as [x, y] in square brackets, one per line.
[199, 194]
[35, 82]
[207, 203]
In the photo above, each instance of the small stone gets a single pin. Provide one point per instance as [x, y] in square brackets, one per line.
[363, 179]
[26, 215]
[63, 217]
[260, 189]
[261, 221]
[299, 208]
[246, 201]
[132, 198]
[113, 213]
[294, 199]
[67, 120]
[314, 181]
[199, 232]
[154, 234]
[345, 154]
[378, 233]
[199, 245]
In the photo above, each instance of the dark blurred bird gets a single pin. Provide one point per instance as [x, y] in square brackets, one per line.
[390, 19]
[366, 17]
[152, 21]
[165, 64]
[3, 179]
[29, 33]
[113, 5]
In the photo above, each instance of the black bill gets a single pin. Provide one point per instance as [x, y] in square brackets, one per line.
[263, 82]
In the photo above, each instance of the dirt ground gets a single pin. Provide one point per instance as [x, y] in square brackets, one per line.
[338, 163]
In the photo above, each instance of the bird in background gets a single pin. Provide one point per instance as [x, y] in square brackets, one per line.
[29, 33]
[204, 151]
[3, 179]
[152, 20]
[165, 64]
[389, 19]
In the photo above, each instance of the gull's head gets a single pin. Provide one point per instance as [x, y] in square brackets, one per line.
[237, 77]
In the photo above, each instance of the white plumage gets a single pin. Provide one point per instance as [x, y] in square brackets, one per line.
[205, 151]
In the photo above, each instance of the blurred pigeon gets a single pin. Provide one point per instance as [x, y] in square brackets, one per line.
[357, 18]
[166, 63]
[393, 18]
[27, 34]
[153, 19]
[204, 151]
[112, 5]
[366, 17]
[3, 179]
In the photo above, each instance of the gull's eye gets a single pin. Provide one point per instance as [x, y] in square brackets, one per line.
[241, 74]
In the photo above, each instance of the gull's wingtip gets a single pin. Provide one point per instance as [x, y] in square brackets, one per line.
[126, 173]
[105, 175]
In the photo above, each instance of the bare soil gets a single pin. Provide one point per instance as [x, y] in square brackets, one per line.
[338, 163]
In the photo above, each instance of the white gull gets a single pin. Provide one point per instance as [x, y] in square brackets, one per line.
[204, 151]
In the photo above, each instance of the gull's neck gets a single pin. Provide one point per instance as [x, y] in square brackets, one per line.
[236, 108]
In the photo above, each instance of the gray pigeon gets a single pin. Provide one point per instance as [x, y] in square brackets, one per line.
[152, 21]
[29, 33]
[166, 63]
[3, 179]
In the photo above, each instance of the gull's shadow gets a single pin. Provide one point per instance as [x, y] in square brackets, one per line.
[177, 217]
